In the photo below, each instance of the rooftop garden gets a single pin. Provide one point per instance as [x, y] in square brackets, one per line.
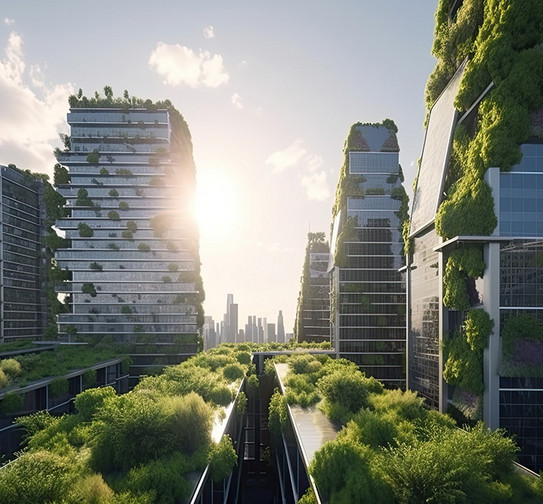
[390, 448]
[135, 448]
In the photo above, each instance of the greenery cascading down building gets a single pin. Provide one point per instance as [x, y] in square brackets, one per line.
[483, 201]
[133, 260]
[313, 310]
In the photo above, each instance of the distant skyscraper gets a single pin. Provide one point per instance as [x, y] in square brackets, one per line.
[367, 291]
[230, 320]
[22, 265]
[210, 336]
[313, 311]
[280, 328]
[271, 336]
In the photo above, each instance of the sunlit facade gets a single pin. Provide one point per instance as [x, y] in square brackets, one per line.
[22, 269]
[134, 246]
[367, 311]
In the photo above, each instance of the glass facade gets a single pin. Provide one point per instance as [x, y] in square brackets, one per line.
[134, 249]
[368, 292]
[23, 307]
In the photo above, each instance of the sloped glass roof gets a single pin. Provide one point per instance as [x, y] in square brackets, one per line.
[435, 155]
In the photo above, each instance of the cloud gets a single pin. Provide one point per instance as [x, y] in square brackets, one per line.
[32, 113]
[8, 21]
[236, 100]
[316, 186]
[281, 160]
[312, 176]
[209, 32]
[179, 64]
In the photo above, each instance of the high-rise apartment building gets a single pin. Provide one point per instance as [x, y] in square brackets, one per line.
[134, 257]
[23, 265]
[313, 311]
[475, 274]
[367, 307]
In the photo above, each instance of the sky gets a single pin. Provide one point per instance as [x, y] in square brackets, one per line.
[269, 91]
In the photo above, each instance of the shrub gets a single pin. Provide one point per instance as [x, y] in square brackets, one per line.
[113, 215]
[83, 198]
[125, 309]
[37, 477]
[59, 386]
[478, 327]
[173, 267]
[346, 389]
[89, 378]
[143, 247]
[233, 372]
[123, 205]
[127, 235]
[161, 478]
[11, 403]
[277, 414]
[131, 226]
[96, 266]
[113, 193]
[85, 231]
[91, 489]
[4, 380]
[166, 279]
[11, 367]
[88, 402]
[88, 288]
[241, 404]
[222, 459]
[93, 157]
[113, 246]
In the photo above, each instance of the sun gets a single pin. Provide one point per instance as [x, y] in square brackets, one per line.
[216, 206]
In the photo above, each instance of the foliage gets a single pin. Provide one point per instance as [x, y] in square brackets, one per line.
[88, 402]
[113, 193]
[88, 288]
[61, 175]
[93, 157]
[348, 233]
[222, 459]
[477, 327]
[241, 404]
[11, 367]
[462, 263]
[143, 247]
[123, 205]
[113, 215]
[522, 346]
[83, 198]
[127, 235]
[96, 266]
[59, 386]
[11, 403]
[277, 414]
[85, 231]
[308, 497]
[463, 367]
[131, 226]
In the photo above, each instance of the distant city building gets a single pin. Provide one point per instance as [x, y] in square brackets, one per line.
[271, 337]
[367, 292]
[280, 328]
[313, 311]
[23, 271]
[251, 334]
[134, 256]
[210, 335]
[230, 321]
[475, 274]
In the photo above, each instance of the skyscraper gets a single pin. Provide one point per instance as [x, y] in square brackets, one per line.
[129, 187]
[280, 328]
[230, 321]
[475, 289]
[367, 307]
[23, 271]
[313, 311]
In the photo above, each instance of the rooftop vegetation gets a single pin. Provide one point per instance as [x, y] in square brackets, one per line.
[135, 448]
[391, 449]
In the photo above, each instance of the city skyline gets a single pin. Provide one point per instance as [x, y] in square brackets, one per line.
[268, 93]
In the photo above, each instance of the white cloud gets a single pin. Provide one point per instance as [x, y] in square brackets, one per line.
[236, 101]
[9, 21]
[32, 113]
[209, 32]
[312, 177]
[281, 160]
[316, 186]
[179, 64]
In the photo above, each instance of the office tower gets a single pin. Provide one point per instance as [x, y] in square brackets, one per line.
[209, 334]
[260, 330]
[134, 257]
[313, 311]
[251, 332]
[23, 266]
[367, 293]
[475, 289]
[280, 328]
[230, 320]
[271, 337]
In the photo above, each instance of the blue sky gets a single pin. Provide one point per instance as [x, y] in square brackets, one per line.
[269, 91]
